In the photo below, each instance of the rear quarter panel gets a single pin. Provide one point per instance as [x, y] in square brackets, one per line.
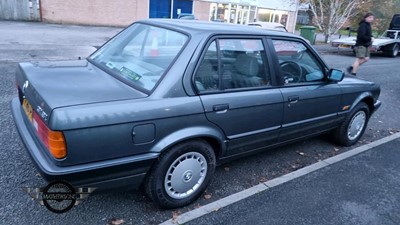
[114, 130]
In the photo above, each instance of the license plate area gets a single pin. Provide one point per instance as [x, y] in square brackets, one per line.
[28, 109]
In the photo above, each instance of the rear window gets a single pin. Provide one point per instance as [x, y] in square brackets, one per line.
[140, 54]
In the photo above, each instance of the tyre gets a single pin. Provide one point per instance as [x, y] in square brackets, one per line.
[181, 174]
[353, 127]
[393, 52]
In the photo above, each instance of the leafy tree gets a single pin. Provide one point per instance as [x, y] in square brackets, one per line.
[383, 10]
[330, 15]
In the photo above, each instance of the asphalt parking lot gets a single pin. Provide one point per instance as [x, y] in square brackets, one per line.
[359, 186]
[36, 41]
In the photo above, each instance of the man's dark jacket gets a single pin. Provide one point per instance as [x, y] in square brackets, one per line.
[364, 34]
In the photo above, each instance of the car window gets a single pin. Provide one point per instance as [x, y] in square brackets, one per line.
[140, 54]
[232, 64]
[297, 63]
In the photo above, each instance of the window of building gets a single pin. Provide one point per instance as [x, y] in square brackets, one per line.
[160, 9]
[232, 13]
[270, 15]
[169, 8]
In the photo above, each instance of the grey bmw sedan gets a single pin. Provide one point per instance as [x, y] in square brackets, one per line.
[165, 101]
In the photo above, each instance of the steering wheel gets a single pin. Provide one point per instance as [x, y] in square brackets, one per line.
[292, 72]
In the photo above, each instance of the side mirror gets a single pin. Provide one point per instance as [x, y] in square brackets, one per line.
[335, 75]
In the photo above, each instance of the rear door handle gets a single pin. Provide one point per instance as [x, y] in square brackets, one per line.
[221, 108]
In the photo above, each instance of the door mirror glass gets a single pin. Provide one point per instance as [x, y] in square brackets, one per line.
[335, 75]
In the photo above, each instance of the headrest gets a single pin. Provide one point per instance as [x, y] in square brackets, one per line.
[246, 65]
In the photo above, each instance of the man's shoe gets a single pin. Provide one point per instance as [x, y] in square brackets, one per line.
[349, 70]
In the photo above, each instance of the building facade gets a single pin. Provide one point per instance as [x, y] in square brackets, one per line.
[245, 11]
[123, 13]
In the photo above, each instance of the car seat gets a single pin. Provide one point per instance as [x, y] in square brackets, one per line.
[246, 71]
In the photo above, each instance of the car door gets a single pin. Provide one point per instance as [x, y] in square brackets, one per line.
[311, 103]
[233, 80]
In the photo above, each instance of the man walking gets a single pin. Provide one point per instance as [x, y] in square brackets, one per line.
[364, 40]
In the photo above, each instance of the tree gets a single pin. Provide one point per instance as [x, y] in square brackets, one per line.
[330, 15]
[383, 10]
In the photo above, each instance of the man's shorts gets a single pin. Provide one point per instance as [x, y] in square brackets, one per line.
[362, 51]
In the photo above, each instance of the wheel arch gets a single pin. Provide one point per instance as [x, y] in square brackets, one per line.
[365, 97]
[212, 136]
[370, 103]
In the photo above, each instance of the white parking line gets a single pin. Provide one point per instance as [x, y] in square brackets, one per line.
[215, 206]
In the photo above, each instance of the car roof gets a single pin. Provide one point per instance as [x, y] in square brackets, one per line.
[207, 28]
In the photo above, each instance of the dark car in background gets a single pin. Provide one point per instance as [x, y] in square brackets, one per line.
[165, 101]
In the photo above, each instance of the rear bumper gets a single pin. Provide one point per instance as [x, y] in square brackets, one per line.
[126, 172]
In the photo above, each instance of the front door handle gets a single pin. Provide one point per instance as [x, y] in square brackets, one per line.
[221, 108]
[293, 99]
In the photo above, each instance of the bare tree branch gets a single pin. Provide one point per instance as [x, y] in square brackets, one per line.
[330, 15]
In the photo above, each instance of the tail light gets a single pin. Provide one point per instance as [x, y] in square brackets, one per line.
[53, 140]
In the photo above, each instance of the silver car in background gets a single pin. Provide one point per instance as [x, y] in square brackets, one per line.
[269, 26]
